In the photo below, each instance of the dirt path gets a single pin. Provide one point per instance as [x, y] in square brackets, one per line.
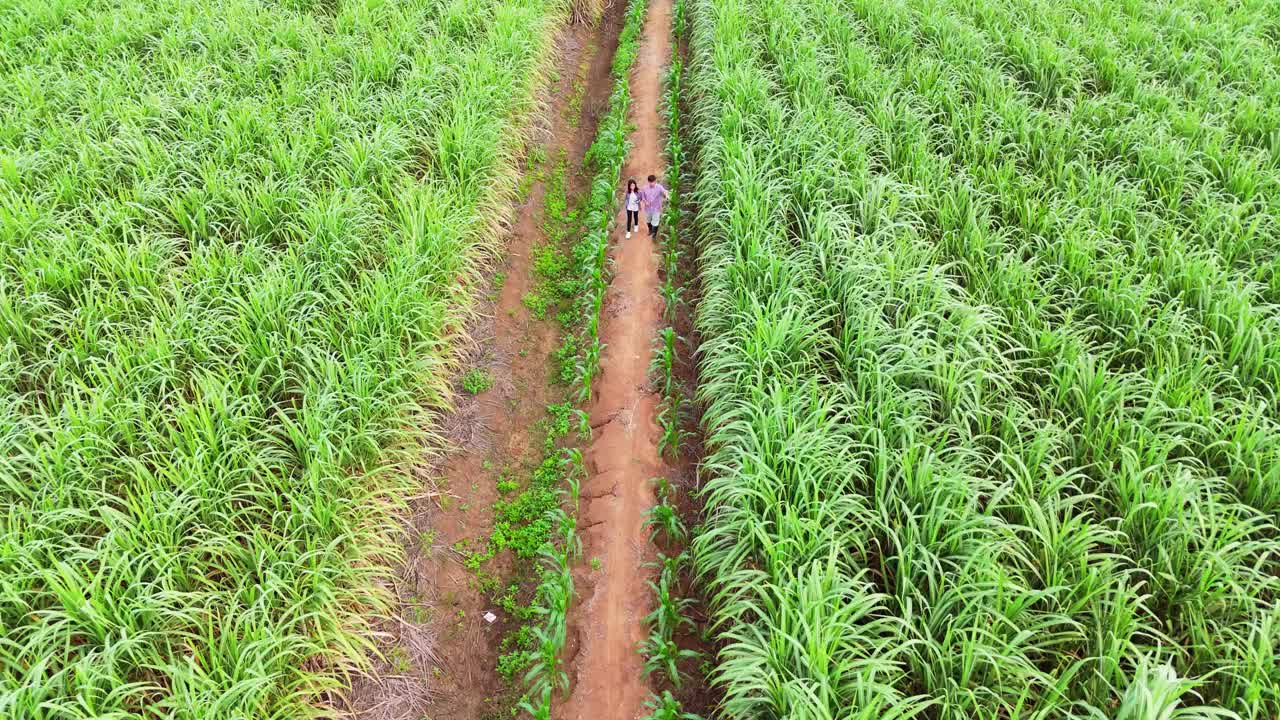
[607, 672]
[440, 651]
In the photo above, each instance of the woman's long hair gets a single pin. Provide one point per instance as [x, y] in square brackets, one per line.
[631, 185]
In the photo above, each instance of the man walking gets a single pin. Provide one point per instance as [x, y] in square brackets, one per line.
[651, 200]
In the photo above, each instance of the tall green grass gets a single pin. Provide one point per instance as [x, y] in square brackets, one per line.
[238, 241]
[990, 420]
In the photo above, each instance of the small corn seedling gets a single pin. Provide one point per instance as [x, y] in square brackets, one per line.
[662, 488]
[671, 263]
[566, 525]
[665, 521]
[537, 704]
[573, 460]
[547, 671]
[671, 423]
[670, 566]
[666, 707]
[663, 365]
[665, 655]
[672, 296]
[668, 616]
[588, 367]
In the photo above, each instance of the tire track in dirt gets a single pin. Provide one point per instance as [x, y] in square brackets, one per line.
[607, 671]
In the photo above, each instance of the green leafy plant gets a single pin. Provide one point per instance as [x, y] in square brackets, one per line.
[513, 663]
[671, 423]
[662, 366]
[670, 566]
[664, 656]
[666, 707]
[662, 488]
[668, 616]
[477, 380]
[666, 522]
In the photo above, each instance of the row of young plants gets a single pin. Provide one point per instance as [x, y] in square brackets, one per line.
[590, 256]
[672, 603]
[671, 613]
[238, 247]
[538, 526]
[931, 488]
[535, 524]
[606, 157]
[544, 672]
[672, 412]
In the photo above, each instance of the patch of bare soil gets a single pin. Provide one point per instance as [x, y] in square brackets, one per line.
[439, 650]
[606, 671]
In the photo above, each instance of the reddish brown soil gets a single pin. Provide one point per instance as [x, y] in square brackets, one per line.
[606, 671]
[439, 653]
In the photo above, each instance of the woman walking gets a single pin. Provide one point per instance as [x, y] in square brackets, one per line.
[633, 206]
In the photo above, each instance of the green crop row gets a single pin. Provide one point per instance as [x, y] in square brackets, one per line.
[238, 244]
[990, 418]
[662, 653]
[545, 672]
[673, 412]
[590, 257]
